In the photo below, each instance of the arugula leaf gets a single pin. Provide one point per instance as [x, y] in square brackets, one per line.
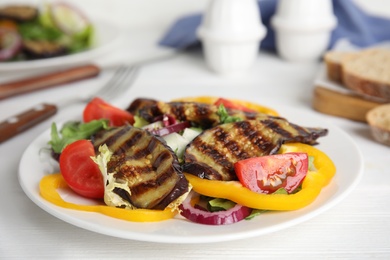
[139, 121]
[225, 117]
[220, 204]
[73, 131]
[256, 212]
[82, 40]
[280, 191]
[311, 166]
[35, 31]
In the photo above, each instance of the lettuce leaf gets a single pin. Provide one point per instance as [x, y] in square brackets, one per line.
[73, 131]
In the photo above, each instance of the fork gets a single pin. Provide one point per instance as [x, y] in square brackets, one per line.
[122, 79]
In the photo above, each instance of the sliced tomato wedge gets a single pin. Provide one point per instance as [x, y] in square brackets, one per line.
[97, 109]
[79, 171]
[230, 104]
[267, 174]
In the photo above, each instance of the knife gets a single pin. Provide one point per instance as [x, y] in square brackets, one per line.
[48, 80]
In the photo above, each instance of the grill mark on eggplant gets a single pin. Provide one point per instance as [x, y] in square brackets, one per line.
[215, 157]
[160, 158]
[144, 151]
[147, 164]
[293, 132]
[276, 126]
[125, 170]
[141, 189]
[123, 194]
[204, 115]
[129, 143]
[259, 141]
[181, 184]
[224, 139]
[108, 137]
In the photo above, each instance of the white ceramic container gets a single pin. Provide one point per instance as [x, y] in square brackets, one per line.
[230, 33]
[303, 28]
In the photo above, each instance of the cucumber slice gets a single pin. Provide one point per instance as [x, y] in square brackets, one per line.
[68, 19]
[177, 143]
[190, 133]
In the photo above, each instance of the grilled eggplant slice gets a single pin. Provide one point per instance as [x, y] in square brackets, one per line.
[146, 172]
[206, 116]
[212, 154]
[19, 13]
[199, 114]
[141, 103]
[41, 49]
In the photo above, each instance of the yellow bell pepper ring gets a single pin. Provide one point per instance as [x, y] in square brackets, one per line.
[235, 191]
[49, 185]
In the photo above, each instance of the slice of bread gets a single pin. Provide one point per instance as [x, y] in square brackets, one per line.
[366, 72]
[379, 120]
[333, 65]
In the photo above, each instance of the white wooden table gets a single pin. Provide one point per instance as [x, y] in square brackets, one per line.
[356, 228]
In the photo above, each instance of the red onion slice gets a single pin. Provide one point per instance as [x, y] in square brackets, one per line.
[171, 128]
[195, 214]
[11, 42]
[154, 126]
[166, 119]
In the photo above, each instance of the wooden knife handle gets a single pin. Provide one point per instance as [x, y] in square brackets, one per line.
[25, 120]
[47, 80]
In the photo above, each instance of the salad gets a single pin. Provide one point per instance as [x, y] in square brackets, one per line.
[212, 160]
[30, 32]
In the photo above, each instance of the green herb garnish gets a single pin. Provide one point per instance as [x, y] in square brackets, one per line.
[225, 117]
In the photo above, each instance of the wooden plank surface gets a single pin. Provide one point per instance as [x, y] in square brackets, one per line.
[342, 105]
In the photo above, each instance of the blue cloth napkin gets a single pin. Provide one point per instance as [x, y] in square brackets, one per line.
[355, 25]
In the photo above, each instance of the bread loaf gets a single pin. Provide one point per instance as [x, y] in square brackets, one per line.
[366, 72]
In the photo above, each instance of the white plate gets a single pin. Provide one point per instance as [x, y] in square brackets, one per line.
[107, 35]
[337, 144]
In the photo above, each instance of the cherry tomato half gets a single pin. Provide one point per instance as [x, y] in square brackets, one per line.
[79, 171]
[267, 174]
[229, 104]
[97, 108]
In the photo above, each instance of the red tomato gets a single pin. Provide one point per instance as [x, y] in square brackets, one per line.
[267, 174]
[97, 108]
[79, 171]
[229, 104]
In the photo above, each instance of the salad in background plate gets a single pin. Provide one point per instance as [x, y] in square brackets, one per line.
[53, 34]
[32, 32]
